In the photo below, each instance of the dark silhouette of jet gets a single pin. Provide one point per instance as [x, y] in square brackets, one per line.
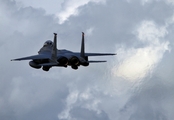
[49, 56]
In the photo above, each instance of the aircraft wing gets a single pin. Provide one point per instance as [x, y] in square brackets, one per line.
[98, 54]
[33, 57]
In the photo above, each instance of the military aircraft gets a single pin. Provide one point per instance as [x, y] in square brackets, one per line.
[49, 56]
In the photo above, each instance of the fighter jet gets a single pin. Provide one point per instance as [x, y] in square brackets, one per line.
[49, 56]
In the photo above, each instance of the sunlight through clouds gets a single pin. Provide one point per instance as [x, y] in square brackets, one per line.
[139, 62]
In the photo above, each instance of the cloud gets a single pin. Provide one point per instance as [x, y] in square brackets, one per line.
[170, 2]
[139, 78]
[51, 7]
[137, 63]
[70, 7]
[71, 99]
[83, 103]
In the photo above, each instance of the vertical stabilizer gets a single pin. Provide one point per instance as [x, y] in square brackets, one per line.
[54, 49]
[82, 53]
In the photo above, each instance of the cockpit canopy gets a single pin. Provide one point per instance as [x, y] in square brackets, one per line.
[48, 43]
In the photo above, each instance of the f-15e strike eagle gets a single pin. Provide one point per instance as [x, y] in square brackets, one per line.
[49, 56]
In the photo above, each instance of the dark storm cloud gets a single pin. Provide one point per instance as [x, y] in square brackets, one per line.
[96, 92]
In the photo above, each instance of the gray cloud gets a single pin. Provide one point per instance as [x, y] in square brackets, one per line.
[95, 92]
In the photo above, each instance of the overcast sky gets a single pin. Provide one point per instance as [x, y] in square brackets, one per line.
[137, 84]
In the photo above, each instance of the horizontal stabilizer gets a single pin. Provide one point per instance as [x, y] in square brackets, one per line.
[92, 61]
[99, 54]
[34, 57]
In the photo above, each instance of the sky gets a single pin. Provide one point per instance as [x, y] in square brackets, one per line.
[136, 84]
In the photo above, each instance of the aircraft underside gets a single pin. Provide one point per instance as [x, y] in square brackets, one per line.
[74, 62]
